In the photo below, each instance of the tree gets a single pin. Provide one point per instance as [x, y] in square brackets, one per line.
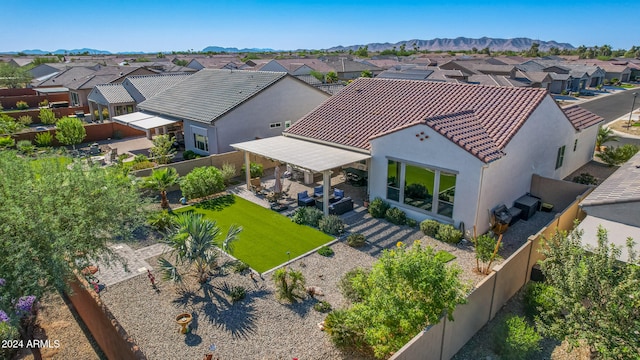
[56, 215]
[533, 50]
[618, 155]
[160, 180]
[366, 74]
[597, 295]
[331, 77]
[13, 77]
[70, 131]
[363, 51]
[162, 150]
[406, 290]
[193, 243]
[605, 135]
[318, 75]
[47, 116]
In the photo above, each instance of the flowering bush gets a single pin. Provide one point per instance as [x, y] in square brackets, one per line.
[2, 282]
[3, 316]
[25, 303]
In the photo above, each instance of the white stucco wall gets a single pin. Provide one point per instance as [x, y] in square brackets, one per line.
[585, 148]
[287, 100]
[533, 150]
[189, 143]
[434, 151]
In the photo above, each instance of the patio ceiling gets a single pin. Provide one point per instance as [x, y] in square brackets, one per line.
[143, 121]
[304, 154]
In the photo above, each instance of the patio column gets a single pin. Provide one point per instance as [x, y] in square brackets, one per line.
[326, 186]
[100, 112]
[91, 111]
[247, 167]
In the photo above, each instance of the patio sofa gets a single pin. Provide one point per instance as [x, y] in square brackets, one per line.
[339, 207]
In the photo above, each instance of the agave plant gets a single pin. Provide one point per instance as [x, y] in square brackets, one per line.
[193, 242]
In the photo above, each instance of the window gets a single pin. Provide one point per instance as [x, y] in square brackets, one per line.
[560, 157]
[426, 189]
[575, 145]
[75, 99]
[201, 142]
[287, 124]
[275, 125]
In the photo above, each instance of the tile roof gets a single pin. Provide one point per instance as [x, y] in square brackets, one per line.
[581, 118]
[146, 86]
[369, 107]
[110, 94]
[622, 186]
[210, 93]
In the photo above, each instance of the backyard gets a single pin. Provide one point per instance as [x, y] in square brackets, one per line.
[268, 239]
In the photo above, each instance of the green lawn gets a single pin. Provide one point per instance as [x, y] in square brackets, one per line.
[445, 256]
[266, 237]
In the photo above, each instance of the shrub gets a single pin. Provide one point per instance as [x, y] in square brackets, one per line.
[161, 220]
[44, 139]
[449, 234]
[25, 120]
[25, 147]
[7, 142]
[300, 215]
[356, 240]
[411, 222]
[146, 164]
[47, 116]
[322, 306]
[325, 251]
[514, 339]
[396, 216]
[585, 178]
[290, 284]
[307, 216]
[378, 208]
[538, 298]
[8, 332]
[618, 155]
[430, 227]
[255, 170]
[331, 224]
[189, 154]
[237, 293]
[22, 105]
[201, 182]
[347, 289]
[343, 330]
[140, 158]
[239, 267]
[43, 103]
[228, 172]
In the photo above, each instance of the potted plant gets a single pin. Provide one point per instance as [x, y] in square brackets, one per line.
[255, 172]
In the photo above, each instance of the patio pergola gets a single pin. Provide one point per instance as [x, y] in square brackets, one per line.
[312, 156]
[144, 122]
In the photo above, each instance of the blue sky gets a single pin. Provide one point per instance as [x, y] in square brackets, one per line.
[160, 25]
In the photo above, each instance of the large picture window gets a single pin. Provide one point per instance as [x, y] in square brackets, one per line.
[427, 189]
[201, 142]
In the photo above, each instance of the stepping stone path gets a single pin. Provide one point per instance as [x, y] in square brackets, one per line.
[136, 264]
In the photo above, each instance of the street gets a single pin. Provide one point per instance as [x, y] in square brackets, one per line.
[613, 107]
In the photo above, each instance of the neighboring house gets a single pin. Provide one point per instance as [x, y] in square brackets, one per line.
[81, 80]
[20, 61]
[123, 98]
[615, 205]
[216, 62]
[349, 69]
[220, 107]
[452, 151]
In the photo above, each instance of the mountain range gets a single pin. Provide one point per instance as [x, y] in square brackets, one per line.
[461, 43]
[442, 44]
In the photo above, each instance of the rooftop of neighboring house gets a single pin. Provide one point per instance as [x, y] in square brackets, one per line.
[147, 86]
[218, 62]
[480, 119]
[210, 93]
[342, 65]
[496, 80]
[621, 187]
[106, 94]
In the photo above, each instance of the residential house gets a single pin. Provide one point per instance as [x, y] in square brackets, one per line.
[348, 69]
[450, 151]
[123, 98]
[220, 107]
[614, 205]
[216, 62]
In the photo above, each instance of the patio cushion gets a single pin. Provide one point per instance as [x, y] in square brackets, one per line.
[338, 194]
[304, 199]
[317, 191]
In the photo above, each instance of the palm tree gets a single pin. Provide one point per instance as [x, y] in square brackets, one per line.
[605, 135]
[193, 243]
[161, 180]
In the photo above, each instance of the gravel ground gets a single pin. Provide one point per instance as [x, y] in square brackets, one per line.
[598, 169]
[258, 327]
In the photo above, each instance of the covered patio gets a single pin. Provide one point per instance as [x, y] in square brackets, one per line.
[146, 122]
[308, 156]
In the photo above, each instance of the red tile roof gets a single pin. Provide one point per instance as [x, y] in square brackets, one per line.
[481, 119]
[581, 118]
